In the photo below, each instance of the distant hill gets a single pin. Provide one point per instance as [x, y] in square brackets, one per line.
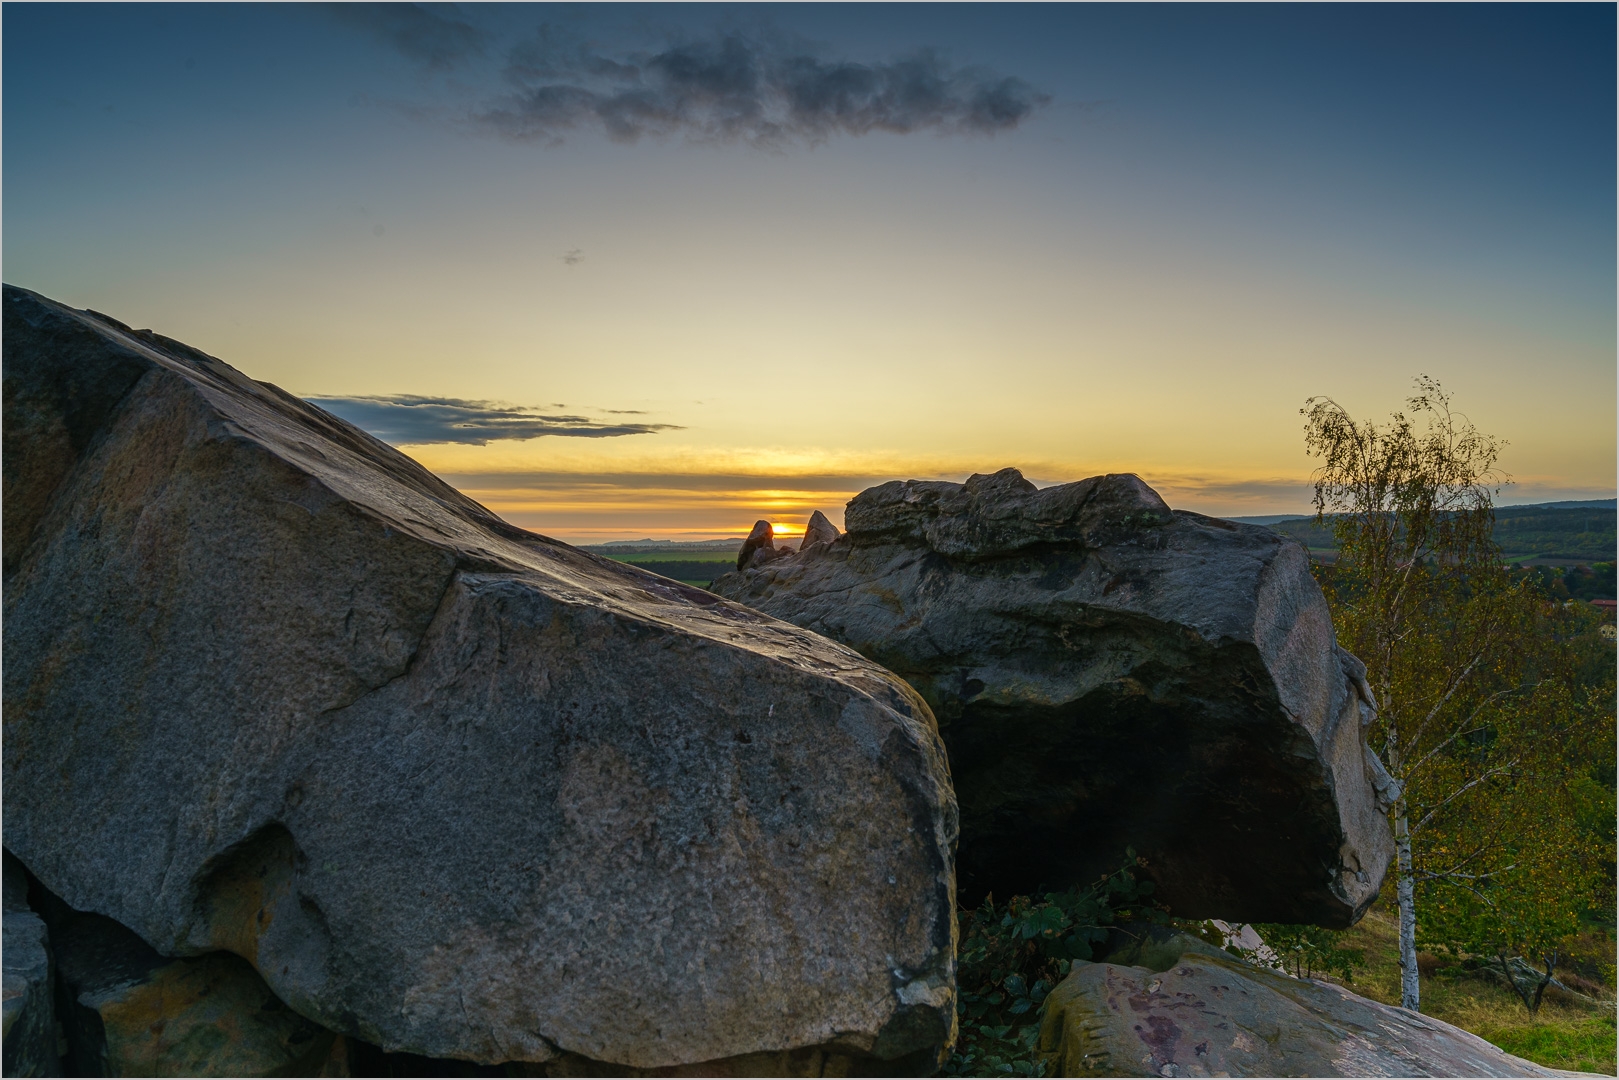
[1264, 519]
[613, 549]
[1579, 531]
[1567, 504]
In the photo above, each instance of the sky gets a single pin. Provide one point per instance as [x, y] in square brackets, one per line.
[623, 271]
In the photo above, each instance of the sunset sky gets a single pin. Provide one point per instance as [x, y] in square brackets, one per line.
[626, 271]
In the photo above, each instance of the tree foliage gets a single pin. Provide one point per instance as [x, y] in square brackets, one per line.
[1306, 951]
[1480, 719]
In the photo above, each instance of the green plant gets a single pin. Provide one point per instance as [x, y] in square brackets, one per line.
[1010, 958]
[1519, 924]
[1307, 950]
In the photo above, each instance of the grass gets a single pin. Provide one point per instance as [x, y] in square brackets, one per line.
[1567, 1034]
[1585, 1045]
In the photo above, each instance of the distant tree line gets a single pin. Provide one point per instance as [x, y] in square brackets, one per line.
[1548, 533]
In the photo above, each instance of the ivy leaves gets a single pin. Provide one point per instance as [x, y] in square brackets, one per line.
[1010, 958]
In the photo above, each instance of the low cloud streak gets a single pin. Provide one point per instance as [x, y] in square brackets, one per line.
[733, 88]
[408, 419]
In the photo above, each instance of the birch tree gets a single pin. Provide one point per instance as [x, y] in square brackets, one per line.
[1419, 593]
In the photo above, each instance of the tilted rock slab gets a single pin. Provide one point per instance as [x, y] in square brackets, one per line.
[451, 787]
[1214, 1015]
[1107, 673]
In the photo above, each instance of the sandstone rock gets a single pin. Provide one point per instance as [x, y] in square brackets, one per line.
[1209, 1014]
[132, 1012]
[451, 787]
[818, 531]
[763, 555]
[1108, 673]
[29, 1015]
[761, 538]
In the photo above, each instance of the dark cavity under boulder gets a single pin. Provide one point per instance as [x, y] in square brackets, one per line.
[1109, 673]
[452, 788]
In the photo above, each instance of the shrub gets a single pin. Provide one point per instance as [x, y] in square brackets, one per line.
[1011, 957]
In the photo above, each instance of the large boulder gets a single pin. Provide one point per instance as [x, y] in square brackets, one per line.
[450, 787]
[1208, 1014]
[1109, 673]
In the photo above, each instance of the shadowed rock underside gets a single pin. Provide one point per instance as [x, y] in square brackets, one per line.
[1107, 673]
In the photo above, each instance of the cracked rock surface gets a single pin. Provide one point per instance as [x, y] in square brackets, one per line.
[1109, 673]
[450, 787]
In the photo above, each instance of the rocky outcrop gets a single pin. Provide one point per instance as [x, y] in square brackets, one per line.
[450, 787]
[1208, 1014]
[29, 986]
[761, 543]
[818, 531]
[1109, 673]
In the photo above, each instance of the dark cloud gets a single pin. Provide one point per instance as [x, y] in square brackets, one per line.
[406, 418]
[734, 88]
[419, 32]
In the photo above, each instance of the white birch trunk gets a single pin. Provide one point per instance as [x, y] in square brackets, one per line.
[1410, 987]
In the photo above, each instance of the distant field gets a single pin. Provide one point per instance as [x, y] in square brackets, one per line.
[650, 559]
[1564, 535]
[692, 572]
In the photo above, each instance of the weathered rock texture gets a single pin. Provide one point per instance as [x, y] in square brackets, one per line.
[1210, 1014]
[29, 1030]
[130, 1012]
[1108, 672]
[818, 531]
[451, 787]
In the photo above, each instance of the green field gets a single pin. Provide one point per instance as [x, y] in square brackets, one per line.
[695, 569]
[646, 558]
[1569, 1032]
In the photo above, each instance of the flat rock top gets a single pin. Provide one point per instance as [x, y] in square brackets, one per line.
[1000, 513]
[1107, 542]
